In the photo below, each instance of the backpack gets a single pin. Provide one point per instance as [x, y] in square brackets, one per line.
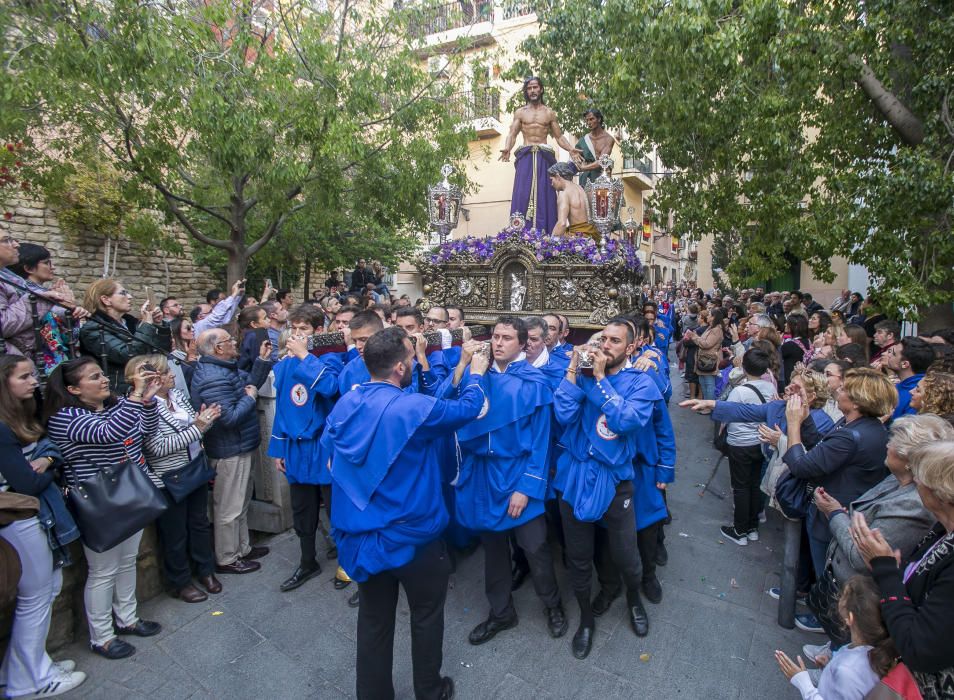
[721, 440]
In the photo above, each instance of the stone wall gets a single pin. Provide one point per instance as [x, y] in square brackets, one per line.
[79, 258]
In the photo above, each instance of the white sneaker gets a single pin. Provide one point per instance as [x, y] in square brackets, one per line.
[66, 665]
[753, 535]
[813, 651]
[59, 685]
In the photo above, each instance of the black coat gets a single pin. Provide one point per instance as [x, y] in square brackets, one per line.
[847, 461]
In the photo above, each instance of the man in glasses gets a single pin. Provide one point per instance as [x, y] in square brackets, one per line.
[231, 443]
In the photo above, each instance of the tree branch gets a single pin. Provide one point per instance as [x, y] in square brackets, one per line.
[909, 127]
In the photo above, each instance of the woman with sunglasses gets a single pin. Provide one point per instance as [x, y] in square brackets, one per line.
[113, 336]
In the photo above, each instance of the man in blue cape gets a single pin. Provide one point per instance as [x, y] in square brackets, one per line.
[654, 468]
[558, 350]
[361, 327]
[305, 388]
[602, 416]
[388, 513]
[503, 479]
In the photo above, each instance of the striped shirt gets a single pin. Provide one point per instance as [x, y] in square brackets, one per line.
[90, 439]
[167, 448]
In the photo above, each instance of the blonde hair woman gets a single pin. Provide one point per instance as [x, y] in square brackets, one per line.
[113, 336]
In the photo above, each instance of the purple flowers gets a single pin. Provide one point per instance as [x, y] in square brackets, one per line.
[543, 246]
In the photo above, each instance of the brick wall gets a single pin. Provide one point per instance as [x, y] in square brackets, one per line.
[79, 259]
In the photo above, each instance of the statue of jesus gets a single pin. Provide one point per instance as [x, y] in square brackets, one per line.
[533, 196]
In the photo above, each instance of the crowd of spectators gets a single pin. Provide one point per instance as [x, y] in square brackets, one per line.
[848, 430]
[831, 415]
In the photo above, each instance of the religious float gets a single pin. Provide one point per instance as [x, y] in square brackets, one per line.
[522, 270]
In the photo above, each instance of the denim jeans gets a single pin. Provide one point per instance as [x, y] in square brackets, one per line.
[707, 384]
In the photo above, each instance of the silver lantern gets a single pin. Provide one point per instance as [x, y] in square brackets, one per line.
[605, 195]
[443, 204]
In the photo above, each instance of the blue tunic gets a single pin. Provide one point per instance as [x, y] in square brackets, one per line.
[386, 487]
[600, 422]
[304, 395]
[356, 373]
[655, 463]
[505, 450]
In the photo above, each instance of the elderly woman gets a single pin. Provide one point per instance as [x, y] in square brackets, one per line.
[185, 533]
[893, 507]
[849, 459]
[917, 591]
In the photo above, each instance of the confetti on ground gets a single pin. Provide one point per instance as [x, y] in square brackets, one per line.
[644, 657]
[217, 612]
[466, 665]
[683, 534]
[734, 583]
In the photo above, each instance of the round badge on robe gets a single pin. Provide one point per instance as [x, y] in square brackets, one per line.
[299, 395]
[603, 429]
[355, 386]
[484, 409]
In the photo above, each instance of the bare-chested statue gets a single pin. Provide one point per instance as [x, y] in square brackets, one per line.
[598, 142]
[532, 195]
[573, 211]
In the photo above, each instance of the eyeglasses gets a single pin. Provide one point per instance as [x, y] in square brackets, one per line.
[9, 240]
[434, 320]
[122, 293]
[230, 339]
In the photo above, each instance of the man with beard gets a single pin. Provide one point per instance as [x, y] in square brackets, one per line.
[388, 513]
[533, 197]
[503, 479]
[602, 416]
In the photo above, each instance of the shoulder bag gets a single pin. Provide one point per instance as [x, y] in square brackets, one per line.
[721, 440]
[183, 481]
[114, 504]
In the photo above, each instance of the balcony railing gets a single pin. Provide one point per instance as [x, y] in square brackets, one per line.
[452, 15]
[510, 10]
[476, 104]
[643, 165]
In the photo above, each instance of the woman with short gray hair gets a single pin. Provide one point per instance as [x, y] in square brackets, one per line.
[893, 507]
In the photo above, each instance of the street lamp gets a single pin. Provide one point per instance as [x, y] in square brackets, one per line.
[443, 204]
[605, 196]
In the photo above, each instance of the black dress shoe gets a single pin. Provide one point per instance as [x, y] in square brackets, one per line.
[603, 602]
[639, 619]
[519, 575]
[302, 574]
[355, 599]
[582, 642]
[142, 628]
[447, 688]
[191, 594]
[342, 580]
[210, 583]
[489, 628]
[652, 590]
[556, 621]
[256, 553]
[239, 566]
[662, 556]
[116, 649]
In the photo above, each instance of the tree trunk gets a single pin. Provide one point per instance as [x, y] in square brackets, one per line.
[238, 263]
[307, 291]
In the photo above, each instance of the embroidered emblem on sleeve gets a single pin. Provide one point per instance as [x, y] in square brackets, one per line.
[603, 429]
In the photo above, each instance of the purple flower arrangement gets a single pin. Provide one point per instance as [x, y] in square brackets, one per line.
[544, 246]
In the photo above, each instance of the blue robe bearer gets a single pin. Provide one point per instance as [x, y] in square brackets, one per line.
[386, 488]
[600, 421]
[505, 449]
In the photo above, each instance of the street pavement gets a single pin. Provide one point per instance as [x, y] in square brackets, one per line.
[712, 636]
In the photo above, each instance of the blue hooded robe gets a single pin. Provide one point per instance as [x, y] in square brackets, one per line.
[600, 422]
[505, 449]
[386, 488]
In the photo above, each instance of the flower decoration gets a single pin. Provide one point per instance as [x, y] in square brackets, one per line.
[543, 246]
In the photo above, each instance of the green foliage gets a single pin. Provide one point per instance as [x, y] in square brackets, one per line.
[242, 122]
[780, 141]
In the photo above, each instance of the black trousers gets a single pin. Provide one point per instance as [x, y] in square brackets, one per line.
[185, 533]
[306, 505]
[620, 533]
[745, 474]
[424, 580]
[532, 538]
[554, 532]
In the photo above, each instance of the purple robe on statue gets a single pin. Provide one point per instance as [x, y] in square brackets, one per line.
[533, 196]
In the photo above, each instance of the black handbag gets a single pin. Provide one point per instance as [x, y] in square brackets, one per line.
[116, 503]
[794, 496]
[183, 481]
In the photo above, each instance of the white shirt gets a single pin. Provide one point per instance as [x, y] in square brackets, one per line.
[747, 434]
[848, 676]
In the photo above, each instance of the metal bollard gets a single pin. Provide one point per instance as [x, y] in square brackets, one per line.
[786, 599]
